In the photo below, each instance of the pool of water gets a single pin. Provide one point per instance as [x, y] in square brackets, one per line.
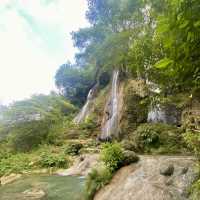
[56, 187]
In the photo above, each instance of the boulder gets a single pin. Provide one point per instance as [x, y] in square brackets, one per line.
[130, 157]
[34, 194]
[82, 166]
[143, 181]
[9, 179]
[167, 169]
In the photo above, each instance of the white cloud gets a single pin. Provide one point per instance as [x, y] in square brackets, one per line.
[34, 41]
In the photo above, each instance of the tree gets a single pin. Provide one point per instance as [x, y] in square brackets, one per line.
[179, 29]
[31, 122]
[75, 82]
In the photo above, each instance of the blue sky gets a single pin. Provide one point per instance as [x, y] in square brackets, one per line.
[34, 40]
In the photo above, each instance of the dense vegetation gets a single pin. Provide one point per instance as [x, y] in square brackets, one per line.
[156, 41]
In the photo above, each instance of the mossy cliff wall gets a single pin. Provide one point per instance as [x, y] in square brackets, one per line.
[135, 106]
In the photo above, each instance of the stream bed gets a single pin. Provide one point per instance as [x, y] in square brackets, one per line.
[55, 188]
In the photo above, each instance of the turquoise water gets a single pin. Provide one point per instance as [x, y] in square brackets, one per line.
[56, 187]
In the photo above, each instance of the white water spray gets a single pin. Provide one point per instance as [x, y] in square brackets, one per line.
[156, 114]
[111, 126]
[86, 108]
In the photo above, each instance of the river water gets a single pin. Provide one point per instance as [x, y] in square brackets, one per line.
[56, 187]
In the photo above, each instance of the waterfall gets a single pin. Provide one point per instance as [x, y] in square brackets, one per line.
[110, 127]
[168, 114]
[86, 108]
[156, 114]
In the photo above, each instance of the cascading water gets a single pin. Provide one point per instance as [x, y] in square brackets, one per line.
[110, 127]
[168, 114]
[156, 114]
[86, 108]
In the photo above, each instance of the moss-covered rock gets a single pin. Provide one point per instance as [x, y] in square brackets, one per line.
[167, 169]
[130, 157]
[73, 148]
[136, 104]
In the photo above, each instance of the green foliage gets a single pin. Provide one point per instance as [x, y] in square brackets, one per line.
[38, 107]
[136, 103]
[128, 145]
[88, 127]
[135, 37]
[179, 31]
[34, 121]
[112, 155]
[96, 179]
[193, 141]
[44, 157]
[163, 63]
[14, 164]
[73, 148]
[130, 157]
[53, 160]
[29, 135]
[158, 138]
[195, 190]
[4, 151]
[75, 82]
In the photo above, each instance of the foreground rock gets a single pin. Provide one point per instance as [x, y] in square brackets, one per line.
[34, 194]
[167, 169]
[9, 179]
[82, 166]
[144, 180]
[130, 157]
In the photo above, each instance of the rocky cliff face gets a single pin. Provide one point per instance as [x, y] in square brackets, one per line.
[124, 105]
[135, 106]
[152, 178]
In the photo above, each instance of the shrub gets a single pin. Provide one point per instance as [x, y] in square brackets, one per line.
[146, 136]
[53, 160]
[195, 190]
[89, 124]
[96, 179]
[128, 145]
[4, 151]
[158, 138]
[29, 135]
[112, 156]
[88, 127]
[193, 141]
[129, 157]
[14, 164]
[73, 149]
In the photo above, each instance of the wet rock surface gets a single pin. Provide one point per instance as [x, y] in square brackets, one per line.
[82, 166]
[144, 181]
[9, 179]
[34, 194]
